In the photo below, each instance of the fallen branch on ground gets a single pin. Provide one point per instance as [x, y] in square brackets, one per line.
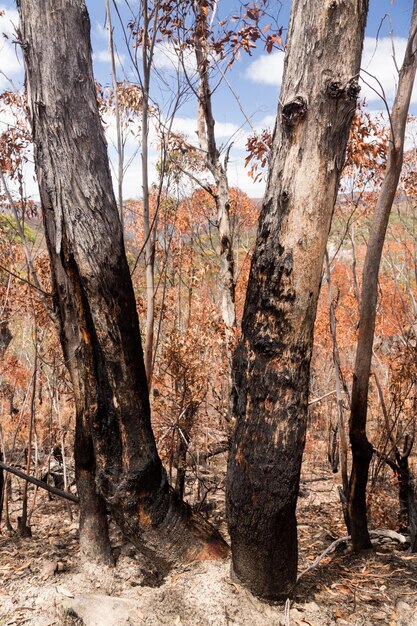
[389, 534]
[315, 480]
[39, 483]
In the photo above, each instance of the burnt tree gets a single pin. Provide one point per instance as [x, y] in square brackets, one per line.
[115, 451]
[361, 448]
[272, 360]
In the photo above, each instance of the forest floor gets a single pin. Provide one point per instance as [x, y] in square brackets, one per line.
[41, 582]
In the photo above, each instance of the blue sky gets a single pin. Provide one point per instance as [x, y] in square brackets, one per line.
[255, 79]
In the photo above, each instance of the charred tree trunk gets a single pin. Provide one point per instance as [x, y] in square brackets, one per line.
[361, 448]
[272, 361]
[94, 295]
[5, 339]
[412, 514]
[5, 336]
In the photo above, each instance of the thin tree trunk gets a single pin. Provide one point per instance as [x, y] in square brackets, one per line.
[272, 361]
[185, 424]
[149, 229]
[339, 398]
[361, 448]
[207, 140]
[94, 294]
[22, 526]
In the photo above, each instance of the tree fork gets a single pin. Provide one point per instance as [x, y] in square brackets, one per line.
[94, 295]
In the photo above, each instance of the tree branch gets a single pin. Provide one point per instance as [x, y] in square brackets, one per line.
[39, 483]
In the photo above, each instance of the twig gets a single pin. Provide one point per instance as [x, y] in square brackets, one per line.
[23, 280]
[326, 395]
[390, 534]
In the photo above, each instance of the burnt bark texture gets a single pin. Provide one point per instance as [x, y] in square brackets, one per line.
[362, 450]
[272, 360]
[95, 299]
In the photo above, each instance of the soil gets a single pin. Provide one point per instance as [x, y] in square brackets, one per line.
[42, 583]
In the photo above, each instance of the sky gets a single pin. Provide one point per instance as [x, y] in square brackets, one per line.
[255, 80]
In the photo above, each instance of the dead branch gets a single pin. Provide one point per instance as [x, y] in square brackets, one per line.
[39, 483]
[326, 395]
[384, 534]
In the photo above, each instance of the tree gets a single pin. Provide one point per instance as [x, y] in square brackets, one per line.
[362, 449]
[115, 448]
[218, 169]
[272, 360]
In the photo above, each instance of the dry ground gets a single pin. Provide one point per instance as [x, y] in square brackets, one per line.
[41, 582]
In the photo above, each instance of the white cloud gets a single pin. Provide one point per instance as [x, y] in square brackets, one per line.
[239, 177]
[267, 69]
[167, 58]
[267, 121]
[103, 56]
[377, 59]
[101, 31]
[10, 65]
[188, 126]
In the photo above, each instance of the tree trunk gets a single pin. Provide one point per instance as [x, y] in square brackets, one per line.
[207, 140]
[149, 228]
[23, 527]
[94, 295]
[5, 336]
[361, 448]
[272, 361]
[185, 424]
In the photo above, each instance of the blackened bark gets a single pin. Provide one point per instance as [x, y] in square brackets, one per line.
[361, 448]
[5, 339]
[94, 535]
[5, 336]
[272, 361]
[407, 491]
[412, 514]
[94, 294]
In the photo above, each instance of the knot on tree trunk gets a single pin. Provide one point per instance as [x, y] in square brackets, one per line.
[353, 89]
[293, 111]
[334, 89]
